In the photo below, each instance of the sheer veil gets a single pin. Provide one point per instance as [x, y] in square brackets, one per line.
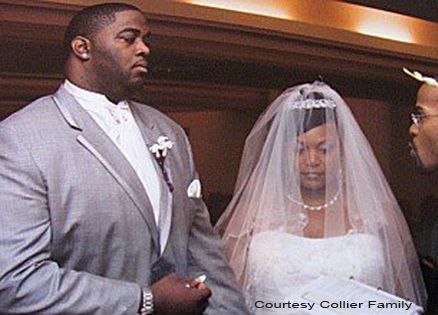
[269, 196]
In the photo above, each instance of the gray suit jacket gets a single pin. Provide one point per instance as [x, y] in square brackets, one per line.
[77, 232]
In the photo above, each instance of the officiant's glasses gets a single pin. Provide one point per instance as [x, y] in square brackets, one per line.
[417, 117]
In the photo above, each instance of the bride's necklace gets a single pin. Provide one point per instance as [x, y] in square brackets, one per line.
[320, 207]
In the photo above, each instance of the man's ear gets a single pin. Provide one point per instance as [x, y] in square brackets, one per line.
[80, 46]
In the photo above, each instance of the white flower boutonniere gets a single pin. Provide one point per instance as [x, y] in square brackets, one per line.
[419, 77]
[160, 150]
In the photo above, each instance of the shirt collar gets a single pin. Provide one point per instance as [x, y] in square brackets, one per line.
[92, 97]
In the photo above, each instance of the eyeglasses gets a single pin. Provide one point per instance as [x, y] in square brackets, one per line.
[417, 118]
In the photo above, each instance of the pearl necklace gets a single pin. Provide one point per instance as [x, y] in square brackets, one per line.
[320, 207]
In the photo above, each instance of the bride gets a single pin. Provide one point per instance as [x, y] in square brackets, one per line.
[311, 200]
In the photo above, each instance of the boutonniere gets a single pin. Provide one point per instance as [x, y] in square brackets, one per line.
[160, 150]
[419, 77]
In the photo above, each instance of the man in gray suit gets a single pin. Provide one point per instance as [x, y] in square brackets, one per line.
[100, 205]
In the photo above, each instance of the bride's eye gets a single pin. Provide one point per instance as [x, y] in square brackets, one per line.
[326, 147]
[300, 148]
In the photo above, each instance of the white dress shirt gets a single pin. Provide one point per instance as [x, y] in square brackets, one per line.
[118, 123]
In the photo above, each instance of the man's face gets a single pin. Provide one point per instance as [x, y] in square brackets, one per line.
[425, 133]
[119, 53]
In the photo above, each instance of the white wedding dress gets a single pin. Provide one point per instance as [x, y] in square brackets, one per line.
[280, 263]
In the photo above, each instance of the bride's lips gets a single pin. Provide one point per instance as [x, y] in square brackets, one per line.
[312, 175]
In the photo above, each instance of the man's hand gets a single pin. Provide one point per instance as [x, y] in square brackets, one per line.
[174, 295]
[198, 283]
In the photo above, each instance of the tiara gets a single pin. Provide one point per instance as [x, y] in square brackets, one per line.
[419, 77]
[312, 103]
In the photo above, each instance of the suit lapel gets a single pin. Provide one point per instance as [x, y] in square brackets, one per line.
[96, 141]
[150, 132]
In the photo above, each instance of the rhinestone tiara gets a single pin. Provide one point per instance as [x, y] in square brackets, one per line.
[312, 103]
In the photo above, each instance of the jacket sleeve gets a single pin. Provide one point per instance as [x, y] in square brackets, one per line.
[206, 256]
[30, 282]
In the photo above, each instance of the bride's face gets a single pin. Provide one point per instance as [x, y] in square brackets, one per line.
[318, 157]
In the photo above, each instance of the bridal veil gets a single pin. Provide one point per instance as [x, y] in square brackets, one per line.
[268, 194]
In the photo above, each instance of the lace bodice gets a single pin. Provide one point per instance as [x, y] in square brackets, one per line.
[279, 263]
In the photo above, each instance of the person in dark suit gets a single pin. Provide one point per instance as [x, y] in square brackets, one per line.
[424, 149]
[101, 209]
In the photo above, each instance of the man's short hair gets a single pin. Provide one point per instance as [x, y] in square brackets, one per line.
[92, 19]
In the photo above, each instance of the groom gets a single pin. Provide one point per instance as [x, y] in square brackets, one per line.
[91, 221]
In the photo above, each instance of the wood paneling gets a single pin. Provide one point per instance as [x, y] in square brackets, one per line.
[16, 90]
[203, 63]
